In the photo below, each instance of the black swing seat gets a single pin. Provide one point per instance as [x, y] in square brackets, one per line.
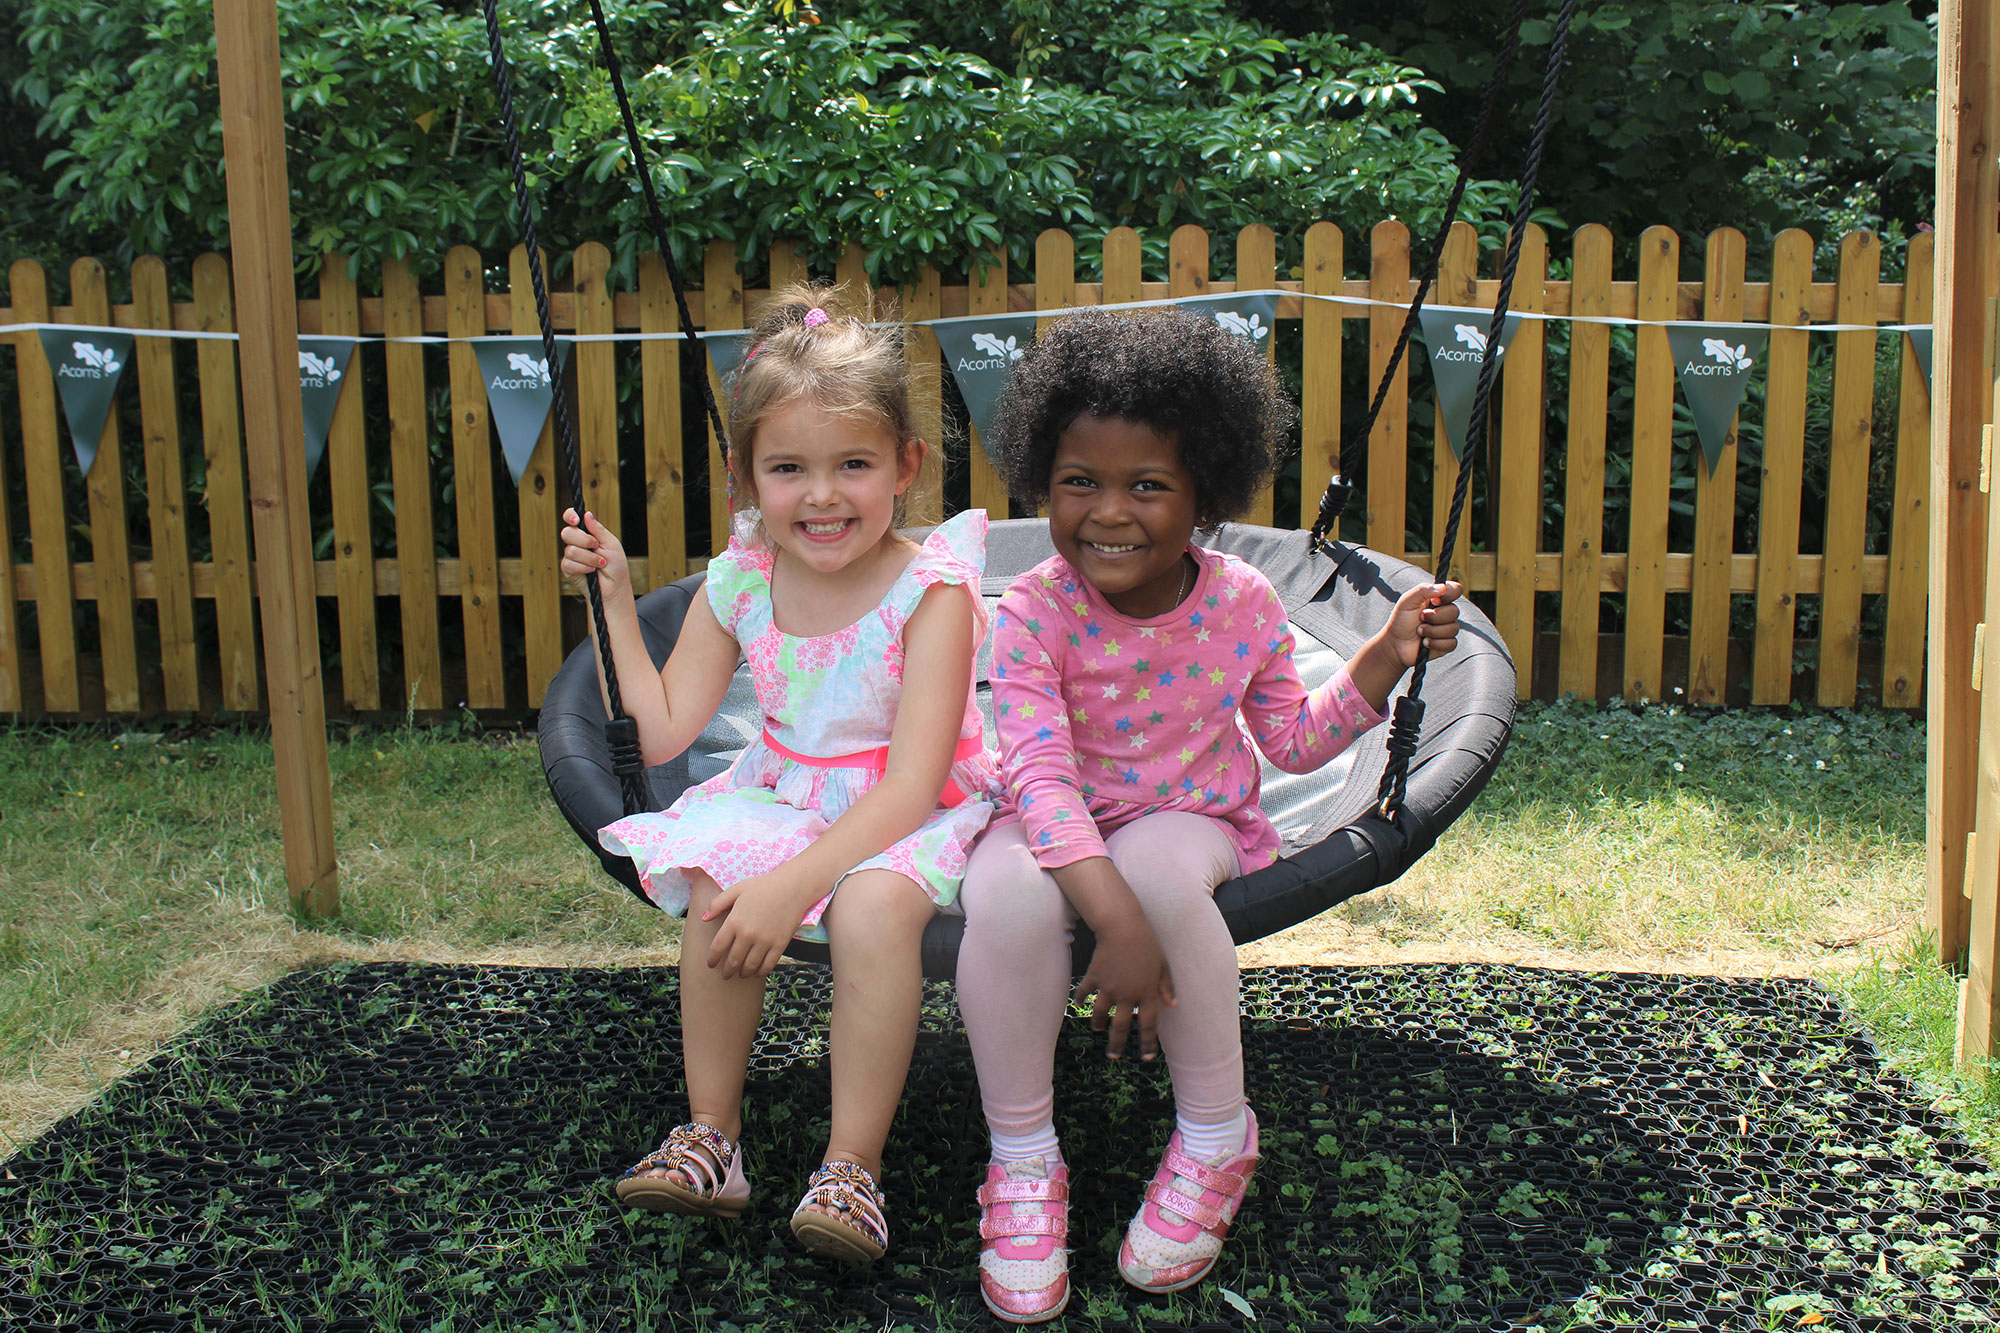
[1336, 845]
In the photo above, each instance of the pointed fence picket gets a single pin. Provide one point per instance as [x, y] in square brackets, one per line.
[410, 478]
[166, 492]
[1583, 473]
[1715, 497]
[110, 567]
[535, 493]
[89, 627]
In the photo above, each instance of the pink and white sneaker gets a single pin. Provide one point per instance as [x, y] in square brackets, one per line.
[1179, 1229]
[1023, 1228]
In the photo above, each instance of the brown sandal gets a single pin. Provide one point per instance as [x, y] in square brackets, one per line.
[840, 1216]
[714, 1184]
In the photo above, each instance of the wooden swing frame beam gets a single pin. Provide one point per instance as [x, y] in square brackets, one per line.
[260, 256]
[1962, 899]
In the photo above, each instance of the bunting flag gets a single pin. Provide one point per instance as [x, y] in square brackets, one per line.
[520, 389]
[982, 354]
[1251, 316]
[726, 348]
[322, 375]
[87, 367]
[1920, 343]
[1456, 340]
[1714, 362]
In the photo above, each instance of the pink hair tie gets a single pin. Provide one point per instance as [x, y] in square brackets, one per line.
[814, 318]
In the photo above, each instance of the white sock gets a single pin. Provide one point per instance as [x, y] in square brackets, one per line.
[1207, 1143]
[1026, 1147]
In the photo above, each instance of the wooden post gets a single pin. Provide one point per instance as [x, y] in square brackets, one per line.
[722, 308]
[918, 301]
[1516, 484]
[260, 234]
[1967, 181]
[1846, 525]
[1257, 268]
[1978, 996]
[1389, 441]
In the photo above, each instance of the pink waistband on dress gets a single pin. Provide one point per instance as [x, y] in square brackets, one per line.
[877, 761]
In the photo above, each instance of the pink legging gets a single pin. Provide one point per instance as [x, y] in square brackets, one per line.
[1014, 967]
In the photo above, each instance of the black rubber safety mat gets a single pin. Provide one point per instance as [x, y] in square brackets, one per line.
[409, 1147]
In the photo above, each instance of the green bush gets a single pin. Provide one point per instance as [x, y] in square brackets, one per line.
[1754, 114]
[763, 122]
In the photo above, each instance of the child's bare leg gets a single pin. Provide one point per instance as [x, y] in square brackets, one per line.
[875, 928]
[718, 1024]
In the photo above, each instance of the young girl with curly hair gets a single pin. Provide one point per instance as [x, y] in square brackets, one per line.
[1132, 670]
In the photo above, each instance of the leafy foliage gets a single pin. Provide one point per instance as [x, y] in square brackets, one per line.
[1757, 114]
[923, 134]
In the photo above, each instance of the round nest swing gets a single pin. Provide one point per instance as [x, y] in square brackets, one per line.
[1336, 843]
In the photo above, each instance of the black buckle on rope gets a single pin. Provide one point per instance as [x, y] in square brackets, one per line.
[1403, 730]
[1331, 506]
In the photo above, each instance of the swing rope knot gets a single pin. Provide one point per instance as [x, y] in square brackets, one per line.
[621, 734]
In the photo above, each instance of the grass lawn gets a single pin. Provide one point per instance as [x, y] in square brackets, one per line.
[141, 876]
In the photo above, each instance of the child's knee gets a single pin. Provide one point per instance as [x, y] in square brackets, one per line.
[1010, 896]
[881, 903]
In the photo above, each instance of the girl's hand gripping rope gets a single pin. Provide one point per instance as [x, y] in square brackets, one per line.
[1425, 617]
[591, 548]
[1425, 620]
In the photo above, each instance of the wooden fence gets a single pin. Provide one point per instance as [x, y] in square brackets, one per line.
[493, 606]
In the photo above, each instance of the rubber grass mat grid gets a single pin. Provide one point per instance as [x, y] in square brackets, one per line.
[404, 1147]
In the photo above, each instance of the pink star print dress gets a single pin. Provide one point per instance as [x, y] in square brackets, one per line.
[828, 696]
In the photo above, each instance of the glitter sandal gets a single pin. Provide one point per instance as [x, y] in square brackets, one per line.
[712, 1167]
[840, 1216]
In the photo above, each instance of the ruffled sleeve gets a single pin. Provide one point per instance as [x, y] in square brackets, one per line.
[955, 553]
[738, 577]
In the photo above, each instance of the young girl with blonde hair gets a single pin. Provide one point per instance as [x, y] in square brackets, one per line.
[850, 818]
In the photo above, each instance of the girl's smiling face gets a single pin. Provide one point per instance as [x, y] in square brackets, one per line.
[826, 484]
[1122, 510]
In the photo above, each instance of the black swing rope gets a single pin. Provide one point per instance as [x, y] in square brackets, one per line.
[621, 732]
[1404, 728]
[1334, 499]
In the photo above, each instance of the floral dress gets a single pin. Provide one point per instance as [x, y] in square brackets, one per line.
[833, 695]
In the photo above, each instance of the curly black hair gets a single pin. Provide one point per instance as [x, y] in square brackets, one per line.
[1179, 373]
